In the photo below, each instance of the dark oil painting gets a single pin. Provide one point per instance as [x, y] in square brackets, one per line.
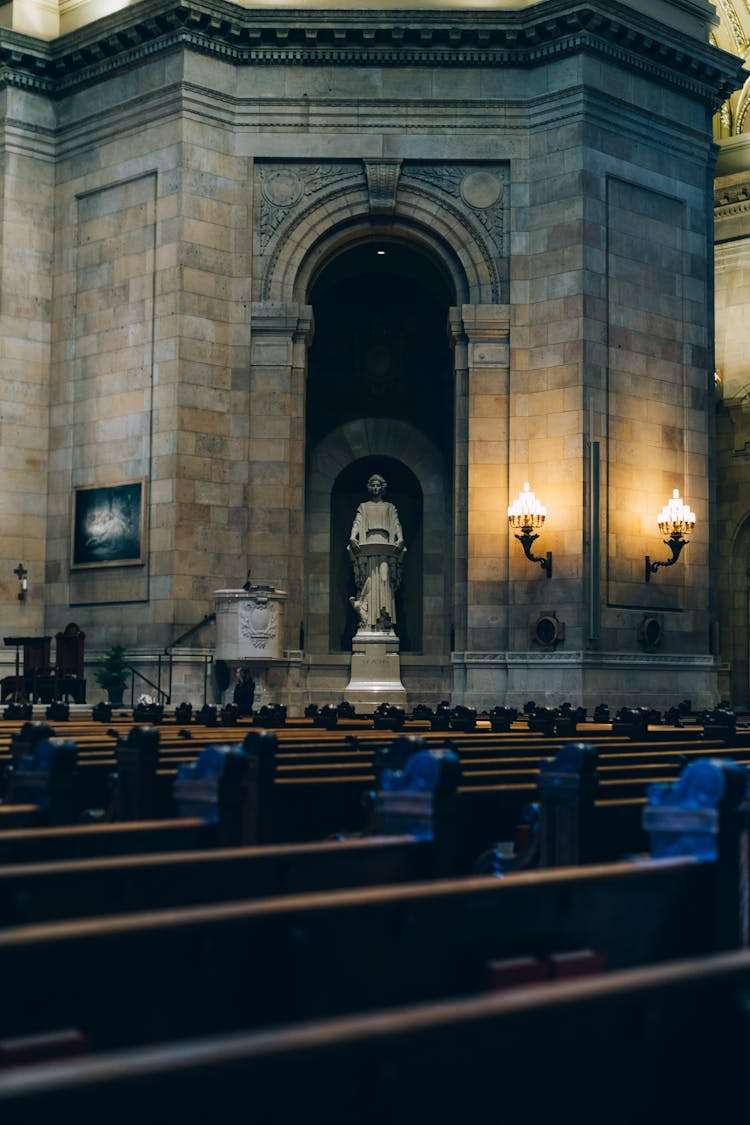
[108, 525]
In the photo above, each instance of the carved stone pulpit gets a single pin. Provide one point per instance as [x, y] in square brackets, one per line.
[250, 630]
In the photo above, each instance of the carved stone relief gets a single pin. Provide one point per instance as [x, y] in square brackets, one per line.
[479, 188]
[382, 184]
[284, 190]
[472, 197]
[258, 622]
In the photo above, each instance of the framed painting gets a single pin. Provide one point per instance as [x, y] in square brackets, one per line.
[108, 525]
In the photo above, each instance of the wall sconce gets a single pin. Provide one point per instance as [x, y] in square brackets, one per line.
[675, 520]
[21, 573]
[527, 513]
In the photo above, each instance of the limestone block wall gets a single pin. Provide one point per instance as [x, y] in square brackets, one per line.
[213, 391]
[150, 373]
[610, 360]
[732, 289]
[177, 304]
[27, 174]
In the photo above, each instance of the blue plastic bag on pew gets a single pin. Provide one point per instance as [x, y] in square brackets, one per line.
[405, 802]
[684, 818]
[197, 786]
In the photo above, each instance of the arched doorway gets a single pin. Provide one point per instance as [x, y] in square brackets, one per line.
[416, 369]
[381, 348]
[381, 362]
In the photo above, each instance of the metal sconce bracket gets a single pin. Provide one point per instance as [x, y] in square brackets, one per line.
[675, 543]
[526, 539]
[527, 513]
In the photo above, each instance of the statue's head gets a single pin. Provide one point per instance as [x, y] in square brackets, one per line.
[377, 486]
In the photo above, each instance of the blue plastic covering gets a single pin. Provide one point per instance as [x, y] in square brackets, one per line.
[196, 788]
[683, 818]
[420, 774]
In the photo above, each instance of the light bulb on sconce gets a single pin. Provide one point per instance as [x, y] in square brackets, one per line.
[21, 574]
[526, 513]
[675, 520]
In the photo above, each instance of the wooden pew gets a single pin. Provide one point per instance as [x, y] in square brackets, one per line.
[658, 1044]
[43, 891]
[303, 804]
[58, 889]
[576, 826]
[329, 953]
[76, 841]
[302, 812]
[247, 964]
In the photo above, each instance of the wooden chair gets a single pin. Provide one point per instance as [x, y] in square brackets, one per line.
[37, 668]
[36, 662]
[11, 687]
[69, 674]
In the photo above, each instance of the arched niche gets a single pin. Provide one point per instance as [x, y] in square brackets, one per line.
[405, 492]
[338, 470]
[380, 398]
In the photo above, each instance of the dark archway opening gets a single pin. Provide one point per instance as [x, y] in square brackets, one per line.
[380, 348]
[380, 351]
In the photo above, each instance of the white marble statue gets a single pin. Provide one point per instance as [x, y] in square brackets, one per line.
[376, 549]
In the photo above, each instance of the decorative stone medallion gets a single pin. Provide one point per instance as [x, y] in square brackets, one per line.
[481, 189]
[282, 187]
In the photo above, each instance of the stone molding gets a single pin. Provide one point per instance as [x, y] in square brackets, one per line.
[729, 203]
[282, 319]
[470, 38]
[730, 255]
[584, 658]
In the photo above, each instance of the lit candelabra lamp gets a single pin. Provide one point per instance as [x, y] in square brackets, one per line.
[675, 520]
[526, 513]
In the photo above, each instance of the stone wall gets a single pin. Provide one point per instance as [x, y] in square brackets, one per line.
[175, 186]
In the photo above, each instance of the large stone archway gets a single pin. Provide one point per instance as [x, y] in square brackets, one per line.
[455, 216]
[456, 212]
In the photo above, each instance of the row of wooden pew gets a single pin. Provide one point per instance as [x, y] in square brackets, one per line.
[310, 791]
[340, 981]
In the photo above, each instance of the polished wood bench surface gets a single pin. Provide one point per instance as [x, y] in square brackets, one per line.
[195, 970]
[653, 1045]
[53, 890]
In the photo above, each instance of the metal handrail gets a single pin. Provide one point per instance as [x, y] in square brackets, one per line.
[189, 632]
[163, 695]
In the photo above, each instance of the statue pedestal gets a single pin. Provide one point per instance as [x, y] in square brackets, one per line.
[250, 631]
[376, 671]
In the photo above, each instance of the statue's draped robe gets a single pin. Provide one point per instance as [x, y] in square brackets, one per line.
[377, 577]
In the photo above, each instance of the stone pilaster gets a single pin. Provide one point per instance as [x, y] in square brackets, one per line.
[483, 495]
[275, 489]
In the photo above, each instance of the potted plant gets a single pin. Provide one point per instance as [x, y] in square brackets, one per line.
[112, 673]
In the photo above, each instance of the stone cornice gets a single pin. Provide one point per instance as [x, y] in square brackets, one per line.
[732, 210]
[732, 197]
[465, 38]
